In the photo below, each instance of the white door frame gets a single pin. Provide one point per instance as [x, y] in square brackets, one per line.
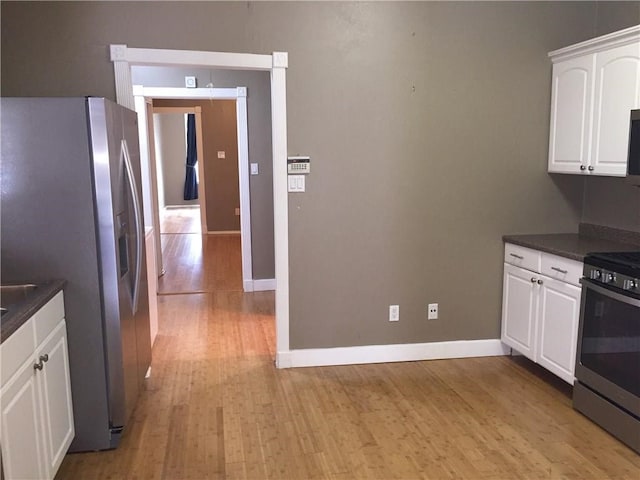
[124, 57]
[239, 94]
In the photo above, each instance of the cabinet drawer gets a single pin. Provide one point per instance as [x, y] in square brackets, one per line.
[16, 349]
[561, 268]
[48, 317]
[522, 257]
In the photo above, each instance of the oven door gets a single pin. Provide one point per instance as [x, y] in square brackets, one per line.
[608, 356]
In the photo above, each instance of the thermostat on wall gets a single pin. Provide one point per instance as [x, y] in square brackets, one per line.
[298, 165]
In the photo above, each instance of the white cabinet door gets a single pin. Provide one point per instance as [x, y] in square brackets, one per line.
[559, 308]
[55, 386]
[617, 92]
[22, 450]
[519, 310]
[571, 105]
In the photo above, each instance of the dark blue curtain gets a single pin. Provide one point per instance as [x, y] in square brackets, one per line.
[190, 181]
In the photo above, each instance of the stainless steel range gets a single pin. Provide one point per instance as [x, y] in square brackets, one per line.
[607, 387]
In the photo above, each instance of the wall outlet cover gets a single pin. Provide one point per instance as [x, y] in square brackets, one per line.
[394, 313]
[190, 82]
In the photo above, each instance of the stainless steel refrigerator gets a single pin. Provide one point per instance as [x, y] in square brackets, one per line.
[71, 208]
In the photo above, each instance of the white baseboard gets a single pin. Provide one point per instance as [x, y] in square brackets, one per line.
[223, 232]
[316, 357]
[260, 285]
[179, 207]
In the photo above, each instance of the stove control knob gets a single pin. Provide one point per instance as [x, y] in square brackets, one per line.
[631, 284]
[595, 274]
[609, 277]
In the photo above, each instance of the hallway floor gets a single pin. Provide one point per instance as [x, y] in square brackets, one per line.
[193, 262]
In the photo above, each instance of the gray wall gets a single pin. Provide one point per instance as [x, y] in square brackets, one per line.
[259, 129]
[171, 148]
[427, 124]
[612, 201]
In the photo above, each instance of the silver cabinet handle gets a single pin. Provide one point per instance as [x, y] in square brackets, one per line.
[38, 366]
[559, 270]
[44, 358]
[519, 257]
[591, 168]
[533, 280]
[540, 282]
[582, 167]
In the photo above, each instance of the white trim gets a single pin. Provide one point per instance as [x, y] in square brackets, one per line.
[123, 57]
[191, 93]
[243, 179]
[191, 58]
[239, 94]
[180, 207]
[140, 106]
[316, 357]
[124, 84]
[152, 282]
[223, 232]
[611, 40]
[260, 285]
[280, 205]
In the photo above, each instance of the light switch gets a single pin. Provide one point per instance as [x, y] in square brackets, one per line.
[254, 169]
[296, 183]
[221, 154]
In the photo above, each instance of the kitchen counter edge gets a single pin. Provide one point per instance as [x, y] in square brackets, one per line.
[22, 312]
[575, 245]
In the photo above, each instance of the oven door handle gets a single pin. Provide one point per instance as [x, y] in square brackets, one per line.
[610, 293]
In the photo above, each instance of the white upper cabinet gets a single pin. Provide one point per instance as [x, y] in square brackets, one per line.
[572, 97]
[595, 86]
[617, 77]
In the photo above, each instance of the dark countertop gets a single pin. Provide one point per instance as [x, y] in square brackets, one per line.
[591, 238]
[19, 313]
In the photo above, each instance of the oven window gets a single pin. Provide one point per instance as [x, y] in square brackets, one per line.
[611, 340]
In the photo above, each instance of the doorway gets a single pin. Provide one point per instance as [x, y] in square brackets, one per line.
[143, 97]
[124, 57]
[201, 252]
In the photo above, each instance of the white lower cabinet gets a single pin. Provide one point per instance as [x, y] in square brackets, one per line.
[519, 310]
[558, 313]
[35, 398]
[540, 313]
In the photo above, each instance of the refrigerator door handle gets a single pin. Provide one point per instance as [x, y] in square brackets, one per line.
[138, 221]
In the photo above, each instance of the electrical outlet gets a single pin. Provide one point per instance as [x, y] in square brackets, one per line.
[432, 311]
[394, 313]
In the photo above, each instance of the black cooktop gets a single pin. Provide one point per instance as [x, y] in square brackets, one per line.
[627, 263]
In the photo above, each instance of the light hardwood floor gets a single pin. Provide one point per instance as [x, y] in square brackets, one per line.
[180, 220]
[215, 407]
[196, 263]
